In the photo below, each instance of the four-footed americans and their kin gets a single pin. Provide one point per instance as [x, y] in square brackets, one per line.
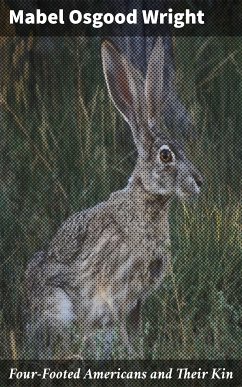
[119, 374]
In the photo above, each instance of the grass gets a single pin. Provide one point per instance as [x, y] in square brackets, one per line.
[63, 148]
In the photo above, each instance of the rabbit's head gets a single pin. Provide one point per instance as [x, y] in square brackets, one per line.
[162, 165]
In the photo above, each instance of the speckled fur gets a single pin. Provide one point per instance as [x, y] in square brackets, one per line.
[105, 261]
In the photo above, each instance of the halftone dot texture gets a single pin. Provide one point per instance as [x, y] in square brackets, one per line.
[140, 273]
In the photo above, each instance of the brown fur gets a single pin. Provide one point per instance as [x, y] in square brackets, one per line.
[105, 261]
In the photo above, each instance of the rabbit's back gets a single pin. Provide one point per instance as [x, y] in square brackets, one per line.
[105, 260]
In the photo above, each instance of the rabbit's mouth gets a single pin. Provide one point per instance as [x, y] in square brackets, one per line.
[189, 188]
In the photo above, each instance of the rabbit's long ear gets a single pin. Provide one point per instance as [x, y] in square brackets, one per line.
[154, 84]
[126, 88]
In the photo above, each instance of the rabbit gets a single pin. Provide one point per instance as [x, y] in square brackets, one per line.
[105, 261]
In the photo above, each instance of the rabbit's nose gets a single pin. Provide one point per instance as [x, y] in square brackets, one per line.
[199, 180]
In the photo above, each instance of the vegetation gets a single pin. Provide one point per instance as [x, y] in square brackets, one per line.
[63, 148]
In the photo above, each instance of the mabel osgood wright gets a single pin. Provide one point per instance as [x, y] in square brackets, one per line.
[97, 20]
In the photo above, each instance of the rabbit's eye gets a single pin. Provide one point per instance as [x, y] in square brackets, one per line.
[166, 156]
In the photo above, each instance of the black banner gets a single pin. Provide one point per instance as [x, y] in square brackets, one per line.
[121, 373]
[121, 18]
